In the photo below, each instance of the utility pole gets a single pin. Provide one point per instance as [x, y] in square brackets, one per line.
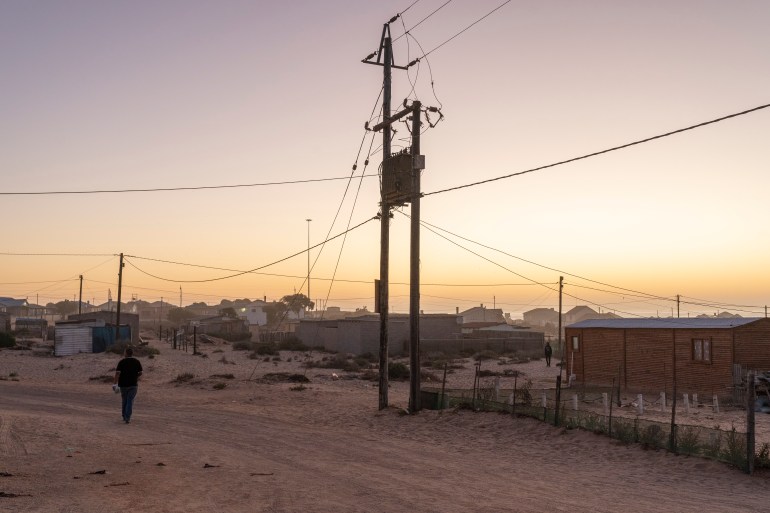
[80, 300]
[677, 306]
[561, 287]
[414, 264]
[384, 59]
[120, 290]
[180, 296]
[308, 259]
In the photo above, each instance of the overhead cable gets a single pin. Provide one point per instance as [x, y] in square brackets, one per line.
[596, 153]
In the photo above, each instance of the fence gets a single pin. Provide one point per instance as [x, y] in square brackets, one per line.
[594, 412]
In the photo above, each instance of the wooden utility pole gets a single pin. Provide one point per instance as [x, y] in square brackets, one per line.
[561, 348]
[80, 297]
[120, 290]
[385, 224]
[677, 306]
[414, 264]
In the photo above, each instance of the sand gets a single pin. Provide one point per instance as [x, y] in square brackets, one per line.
[264, 446]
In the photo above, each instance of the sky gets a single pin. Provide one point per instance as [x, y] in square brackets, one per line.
[115, 95]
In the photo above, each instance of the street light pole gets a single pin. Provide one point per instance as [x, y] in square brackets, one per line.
[308, 259]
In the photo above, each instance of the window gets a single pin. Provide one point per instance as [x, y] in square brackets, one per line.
[701, 350]
[576, 343]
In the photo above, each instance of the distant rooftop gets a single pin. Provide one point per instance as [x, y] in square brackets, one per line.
[669, 323]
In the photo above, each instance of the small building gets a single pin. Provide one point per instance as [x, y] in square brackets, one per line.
[86, 336]
[699, 355]
[361, 334]
[223, 327]
[131, 319]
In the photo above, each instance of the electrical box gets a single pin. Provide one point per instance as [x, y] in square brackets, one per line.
[397, 177]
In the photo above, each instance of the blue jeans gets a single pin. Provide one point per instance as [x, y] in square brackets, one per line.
[128, 394]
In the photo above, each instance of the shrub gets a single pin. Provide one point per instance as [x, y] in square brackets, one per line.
[223, 376]
[398, 370]
[7, 340]
[623, 431]
[183, 377]
[292, 344]
[687, 440]
[735, 448]
[219, 386]
[266, 349]
[243, 345]
[652, 436]
[485, 355]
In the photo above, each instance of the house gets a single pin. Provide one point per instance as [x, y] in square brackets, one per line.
[697, 355]
[14, 307]
[541, 317]
[582, 312]
[5, 322]
[224, 327]
[482, 314]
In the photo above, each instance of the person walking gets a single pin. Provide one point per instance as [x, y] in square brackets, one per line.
[127, 378]
[548, 353]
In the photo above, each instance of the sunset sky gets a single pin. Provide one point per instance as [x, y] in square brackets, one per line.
[114, 95]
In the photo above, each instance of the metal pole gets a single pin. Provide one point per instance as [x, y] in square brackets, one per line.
[385, 230]
[414, 272]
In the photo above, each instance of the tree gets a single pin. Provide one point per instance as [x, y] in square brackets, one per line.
[297, 302]
[228, 312]
[275, 312]
[66, 307]
[179, 315]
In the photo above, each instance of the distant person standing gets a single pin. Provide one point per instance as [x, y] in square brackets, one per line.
[127, 378]
[548, 353]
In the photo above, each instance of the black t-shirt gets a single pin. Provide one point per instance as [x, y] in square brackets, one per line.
[129, 369]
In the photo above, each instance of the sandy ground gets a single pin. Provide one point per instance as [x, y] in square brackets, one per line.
[261, 446]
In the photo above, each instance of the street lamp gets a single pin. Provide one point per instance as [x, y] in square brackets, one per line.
[308, 258]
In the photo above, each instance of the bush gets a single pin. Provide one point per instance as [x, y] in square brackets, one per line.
[687, 440]
[183, 377]
[398, 370]
[243, 345]
[292, 344]
[763, 457]
[266, 349]
[7, 340]
[219, 386]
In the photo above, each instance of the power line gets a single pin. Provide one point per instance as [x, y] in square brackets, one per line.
[170, 189]
[59, 254]
[466, 28]
[240, 273]
[421, 21]
[410, 6]
[608, 150]
[643, 294]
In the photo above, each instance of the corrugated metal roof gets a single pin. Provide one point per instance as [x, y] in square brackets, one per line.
[671, 323]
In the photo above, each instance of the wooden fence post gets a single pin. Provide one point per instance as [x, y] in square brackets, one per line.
[750, 428]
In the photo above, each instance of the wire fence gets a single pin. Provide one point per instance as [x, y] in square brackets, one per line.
[717, 443]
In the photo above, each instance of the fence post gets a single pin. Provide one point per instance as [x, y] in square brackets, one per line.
[750, 431]
[174, 342]
[715, 401]
[558, 401]
[605, 403]
[686, 403]
[545, 407]
[497, 389]
[443, 387]
[695, 400]
[609, 420]
[575, 402]
[640, 404]
[513, 407]
[663, 402]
